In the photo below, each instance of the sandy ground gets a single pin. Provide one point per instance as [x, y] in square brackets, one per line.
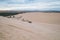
[44, 26]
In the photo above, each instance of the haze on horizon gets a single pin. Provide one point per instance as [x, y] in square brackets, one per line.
[30, 5]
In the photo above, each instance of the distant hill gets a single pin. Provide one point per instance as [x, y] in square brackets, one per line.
[19, 11]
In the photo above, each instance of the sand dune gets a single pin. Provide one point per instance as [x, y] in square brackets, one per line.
[44, 26]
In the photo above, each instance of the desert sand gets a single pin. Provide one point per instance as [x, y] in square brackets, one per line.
[44, 26]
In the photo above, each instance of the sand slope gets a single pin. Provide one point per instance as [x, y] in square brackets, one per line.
[16, 29]
[51, 18]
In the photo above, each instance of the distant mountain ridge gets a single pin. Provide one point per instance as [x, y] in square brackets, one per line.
[19, 11]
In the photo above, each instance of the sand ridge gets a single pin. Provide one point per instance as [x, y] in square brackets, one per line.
[16, 29]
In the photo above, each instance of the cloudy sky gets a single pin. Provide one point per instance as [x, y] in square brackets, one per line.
[30, 5]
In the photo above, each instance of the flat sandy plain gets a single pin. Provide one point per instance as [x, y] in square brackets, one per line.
[44, 26]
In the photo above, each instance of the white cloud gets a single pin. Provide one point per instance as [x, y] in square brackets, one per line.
[17, 1]
[32, 6]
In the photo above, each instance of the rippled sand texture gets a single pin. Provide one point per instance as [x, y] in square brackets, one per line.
[44, 26]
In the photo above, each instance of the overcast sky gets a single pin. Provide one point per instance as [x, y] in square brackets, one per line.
[30, 5]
